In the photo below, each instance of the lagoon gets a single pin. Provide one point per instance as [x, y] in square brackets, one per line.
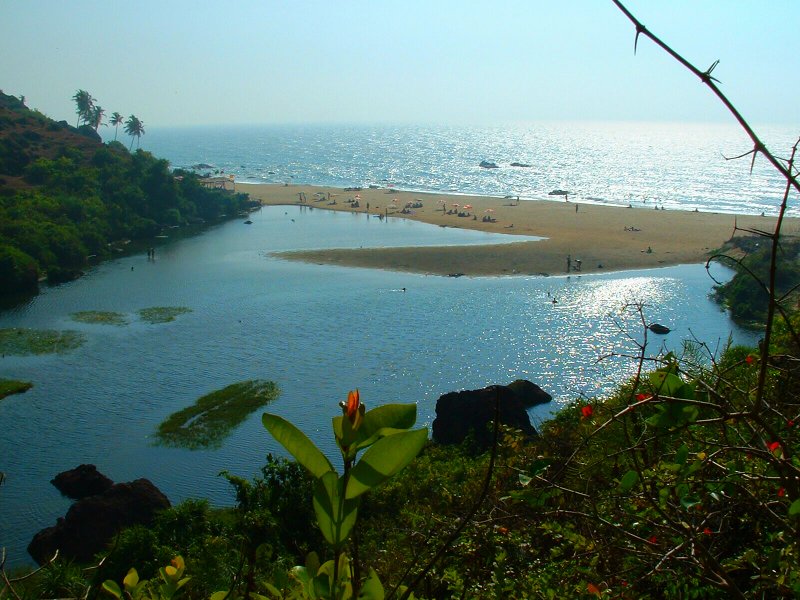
[317, 331]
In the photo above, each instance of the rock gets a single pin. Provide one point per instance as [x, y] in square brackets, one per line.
[459, 413]
[487, 164]
[529, 393]
[659, 328]
[519, 164]
[91, 523]
[82, 481]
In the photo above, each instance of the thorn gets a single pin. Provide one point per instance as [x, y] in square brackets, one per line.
[640, 29]
[706, 76]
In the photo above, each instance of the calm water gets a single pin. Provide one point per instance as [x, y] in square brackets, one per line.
[674, 165]
[318, 331]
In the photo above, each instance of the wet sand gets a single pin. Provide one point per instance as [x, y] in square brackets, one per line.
[594, 238]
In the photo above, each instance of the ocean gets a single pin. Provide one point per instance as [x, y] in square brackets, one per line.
[669, 165]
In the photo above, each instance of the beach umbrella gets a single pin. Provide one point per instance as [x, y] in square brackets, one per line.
[468, 206]
[456, 205]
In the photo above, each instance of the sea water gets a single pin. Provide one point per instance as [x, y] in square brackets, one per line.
[317, 331]
[665, 165]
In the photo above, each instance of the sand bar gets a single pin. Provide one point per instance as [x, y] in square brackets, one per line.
[602, 238]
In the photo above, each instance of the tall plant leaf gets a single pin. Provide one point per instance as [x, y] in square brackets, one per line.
[298, 445]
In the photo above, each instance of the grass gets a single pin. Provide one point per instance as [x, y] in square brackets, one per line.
[162, 314]
[211, 418]
[10, 386]
[23, 341]
[100, 317]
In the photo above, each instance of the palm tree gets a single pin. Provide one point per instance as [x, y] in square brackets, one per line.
[116, 120]
[134, 128]
[96, 118]
[84, 106]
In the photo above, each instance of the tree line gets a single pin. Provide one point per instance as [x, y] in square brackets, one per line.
[92, 114]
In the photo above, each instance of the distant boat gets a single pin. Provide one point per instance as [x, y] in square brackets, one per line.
[487, 164]
[519, 164]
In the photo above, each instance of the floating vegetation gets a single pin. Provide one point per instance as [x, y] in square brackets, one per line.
[162, 314]
[211, 419]
[23, 342]
[10, 386]
[100, 317]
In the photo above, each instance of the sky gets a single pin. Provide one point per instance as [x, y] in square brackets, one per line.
[180, 62]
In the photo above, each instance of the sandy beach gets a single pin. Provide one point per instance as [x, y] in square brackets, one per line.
[593, 238]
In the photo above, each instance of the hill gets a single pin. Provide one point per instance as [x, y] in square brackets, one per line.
[66, 198]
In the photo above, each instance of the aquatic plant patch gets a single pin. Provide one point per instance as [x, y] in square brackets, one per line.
[100, 317]
[162, 314]
[23, 341]
[10, 386]
[211, 419]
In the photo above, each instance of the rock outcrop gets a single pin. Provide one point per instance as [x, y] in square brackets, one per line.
[91, 523]
[82, 481]
[459, 414]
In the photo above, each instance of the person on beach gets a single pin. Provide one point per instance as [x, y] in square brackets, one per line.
[569, 262]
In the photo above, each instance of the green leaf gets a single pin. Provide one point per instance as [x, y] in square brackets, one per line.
[131, 579]
[383, 459]
[667, 384]
[112, 588]
[794, 508]
[336, 515]
[681, 454]
[630, 479]
[524, 480]
[298, 445]
[689, 501]
[394, 416]
[371, 589]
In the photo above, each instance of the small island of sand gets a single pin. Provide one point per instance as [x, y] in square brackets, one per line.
[587, 237]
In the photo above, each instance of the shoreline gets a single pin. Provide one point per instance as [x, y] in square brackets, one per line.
[591, 238]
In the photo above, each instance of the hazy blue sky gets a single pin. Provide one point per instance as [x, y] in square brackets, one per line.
[188, 62]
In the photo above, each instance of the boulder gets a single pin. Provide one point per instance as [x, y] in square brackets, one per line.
[659, 328]
[471, 411]
[82, 481]
[91, 523]
[529, 393]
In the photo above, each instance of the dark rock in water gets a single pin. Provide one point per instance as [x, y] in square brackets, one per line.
[487, 164]
[455, 274]
[529, 393]
[91, 523]
[658, 328]
[460, 413]
[82, 481]
[519, 164]
[248, 222]
[202, 166]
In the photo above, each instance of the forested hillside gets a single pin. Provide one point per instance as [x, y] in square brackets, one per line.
[66, 197]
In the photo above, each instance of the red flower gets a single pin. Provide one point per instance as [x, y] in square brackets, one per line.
[772, 446]
[652, 539]
[640, 397]
[790, 423]
[353, 409]
[586, 411]
[707, 531]
[781, 492]
[749, 359]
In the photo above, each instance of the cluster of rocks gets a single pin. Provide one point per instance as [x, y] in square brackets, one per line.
[102, 509]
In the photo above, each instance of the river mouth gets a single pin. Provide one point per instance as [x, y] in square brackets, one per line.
[317, 331]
